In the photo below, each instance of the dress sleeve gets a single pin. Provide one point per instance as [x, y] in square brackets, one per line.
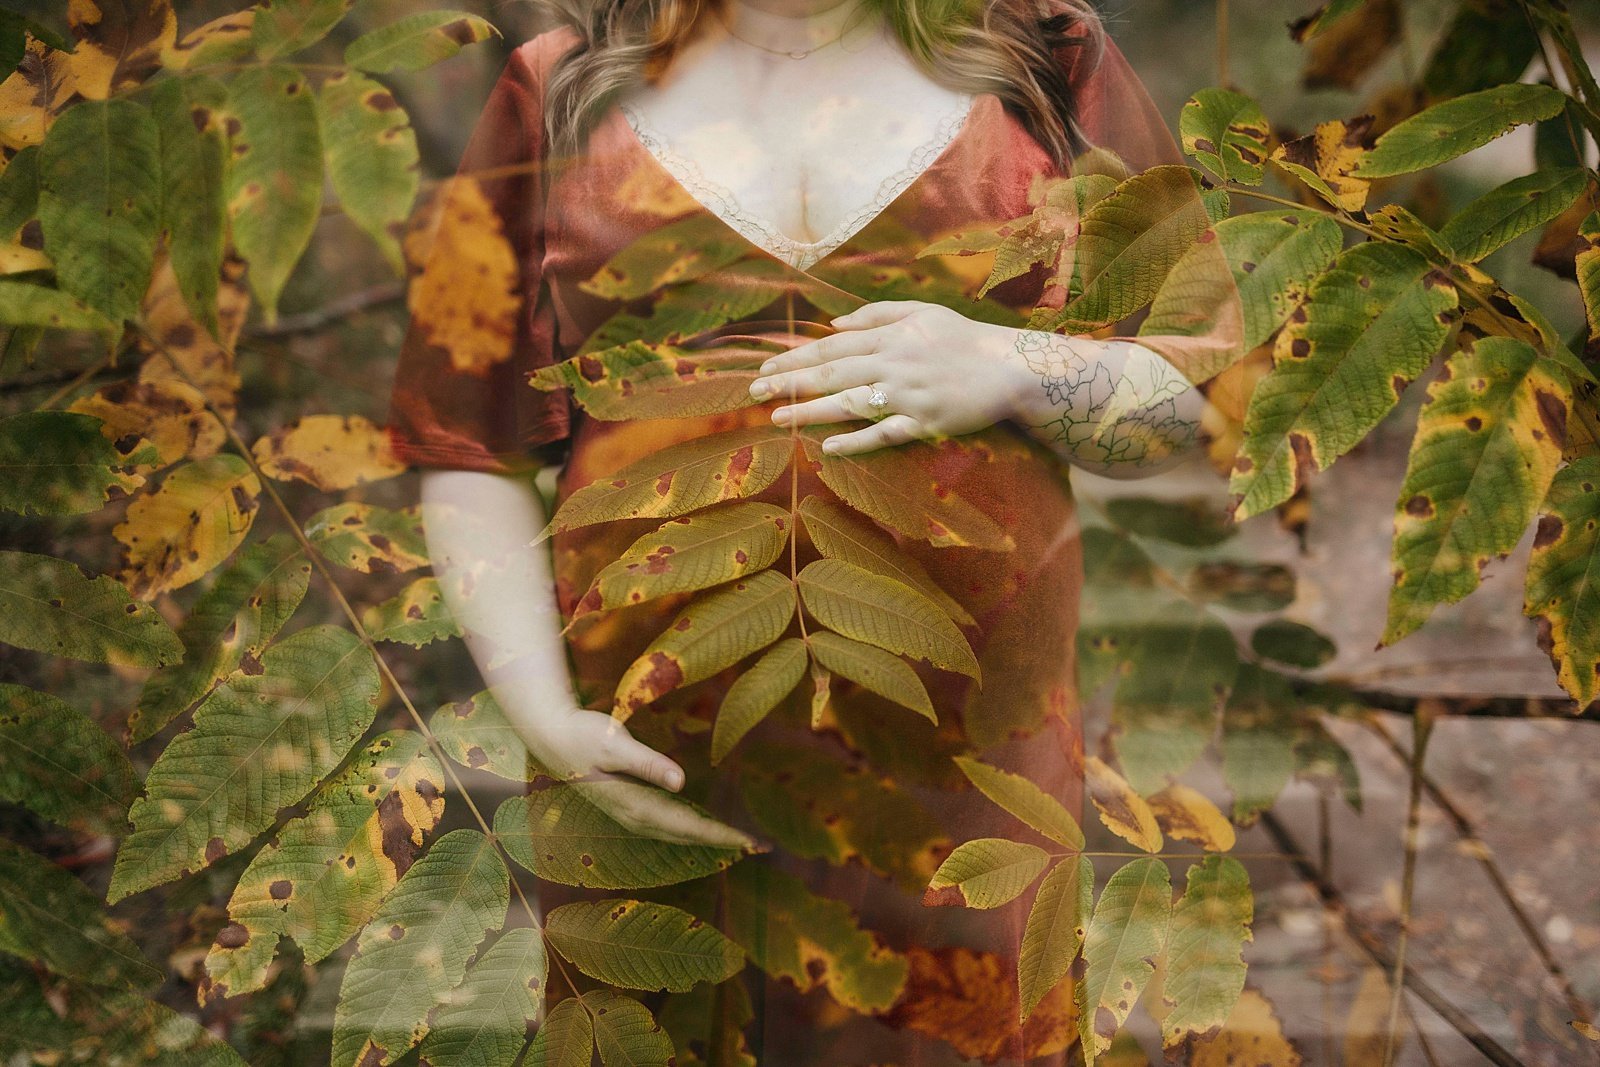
[481, 317]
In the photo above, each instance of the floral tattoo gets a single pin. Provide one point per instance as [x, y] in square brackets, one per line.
[1109, 417]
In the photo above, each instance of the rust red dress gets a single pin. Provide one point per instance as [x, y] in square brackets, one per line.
[869, 832]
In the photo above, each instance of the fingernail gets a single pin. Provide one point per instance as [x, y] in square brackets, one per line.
[829, 447]
[768, 367]
[781, 416]
[759, 389]
[674, 780]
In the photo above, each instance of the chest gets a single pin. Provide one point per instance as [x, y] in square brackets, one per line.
[798, 154]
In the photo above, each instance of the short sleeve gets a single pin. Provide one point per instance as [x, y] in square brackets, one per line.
[481, 317]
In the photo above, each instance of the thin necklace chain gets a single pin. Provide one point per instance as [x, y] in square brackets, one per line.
[791, 53]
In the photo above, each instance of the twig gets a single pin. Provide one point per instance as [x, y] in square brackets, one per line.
[1421, 730]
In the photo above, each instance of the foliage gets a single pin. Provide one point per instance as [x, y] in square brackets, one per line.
[157, 186]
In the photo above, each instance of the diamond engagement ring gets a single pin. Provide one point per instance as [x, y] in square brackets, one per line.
[878, 401]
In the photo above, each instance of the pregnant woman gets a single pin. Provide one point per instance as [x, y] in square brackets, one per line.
[751, 183]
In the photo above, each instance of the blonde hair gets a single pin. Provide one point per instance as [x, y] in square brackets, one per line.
[1006, 47]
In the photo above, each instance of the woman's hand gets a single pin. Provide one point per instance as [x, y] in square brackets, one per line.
[942, 374]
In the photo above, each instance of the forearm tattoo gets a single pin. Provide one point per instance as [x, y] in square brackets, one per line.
[1103, 414]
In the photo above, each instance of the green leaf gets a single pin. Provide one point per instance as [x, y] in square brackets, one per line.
[1022, 798]
[416, 616]
[716, 631]
[565, 1039]
[1177, 669]
[681, 479]
[638, 944]
[60, 463]
[1293, 643]
[49, 605]
[883, 612]
[99, 203]
[415, 950]
[1587, 266]
[275, 177]
[1205, 965]
[476, 733]
[1457, 126]
[1321, 19]
[693, 309]
[1125, 935]
[1374, 322]
[19, 191]
[707, 1024]
[49, 916]
[371, 157]
[325, 873]
[1128, 243]
[22, 304]
[370, 539]
[59, 763]
[191, 117]
[813, 941]
[840, 533]
[1563, 585]
[691, 553]
[1488, 442]
[636, 380]
[887, 486]
[873, 669]
[1228, 133]
[286, 26]
[625, 1032]
[416, 42]
[565, 833]
[260, 741]
[1258, 741]
[1055, 929]
[1484, 45]
[233, 621]
[484, 1021]
[985, 873]
[1275, 256]
[756, 692]
[1503, 214]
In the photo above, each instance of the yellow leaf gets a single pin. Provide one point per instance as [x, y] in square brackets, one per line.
[1366, 1029]
[184, 350]
[1124, 811]
[1325, 157]
[167, 413]
[872, 668]
[1188, 815]
[466, 297]
[194, 521]
[883, 612]
[328, 451]
[1251, 1035]
[119, 42]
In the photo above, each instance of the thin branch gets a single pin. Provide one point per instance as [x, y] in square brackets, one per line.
[1421, 730]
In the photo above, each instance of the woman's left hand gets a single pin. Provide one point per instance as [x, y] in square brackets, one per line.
[942, 373]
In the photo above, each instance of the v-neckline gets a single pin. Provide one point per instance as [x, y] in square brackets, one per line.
[890, 191]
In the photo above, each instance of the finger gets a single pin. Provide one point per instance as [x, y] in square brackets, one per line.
[626, 754]
[824, 349]
[834, 377]
[664, 818]
[877, 313]
[897, 429]
[835, 407]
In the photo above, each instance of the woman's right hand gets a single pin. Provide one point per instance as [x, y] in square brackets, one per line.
[583, 746]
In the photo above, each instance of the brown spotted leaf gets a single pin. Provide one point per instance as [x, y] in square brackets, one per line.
[415, 949]
[328, 451]
[1205, 967]
[367, 538]
[417, 42]
[1126, 934]
[464, 297]
[484, 1021]
[119, 42]
[968, 998]
[636, 380]
[716, 631]
[414, 616]
[1373, 324]
[371, 157]
[224, 38]
[476, 733]
[48, 605]
[625, 1033]
[1488, 442]
[1326, 157]
[1251, 1034]
[1563, 584]
[262, 740]
[246, 607]
[168, 415]
[1124, 812]
[1228, 133]
[65, 463]
[325, 873]
[1054, 933]
[1187, 814]
[680, 479]
[183, 351]
[691, 553]
[194, 520]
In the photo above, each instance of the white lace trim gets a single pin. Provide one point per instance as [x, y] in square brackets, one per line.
[721, 201]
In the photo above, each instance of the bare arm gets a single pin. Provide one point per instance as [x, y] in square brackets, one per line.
[499, 587]
[1115, 408]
